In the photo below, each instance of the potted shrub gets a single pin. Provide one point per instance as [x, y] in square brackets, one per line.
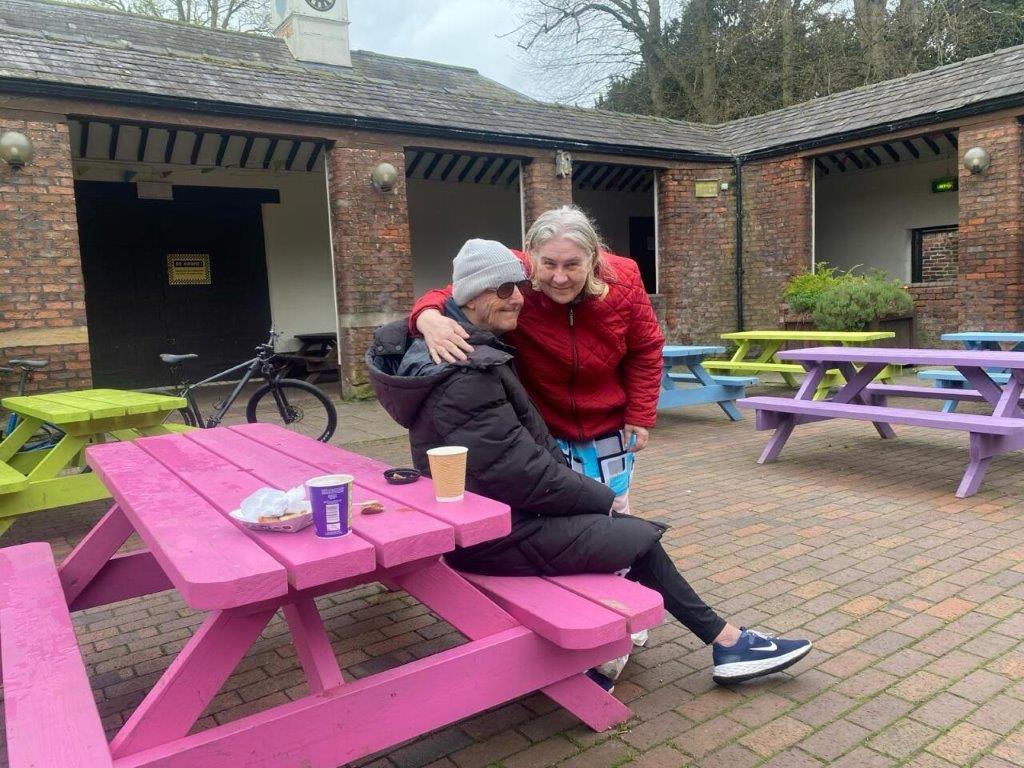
[830, 300]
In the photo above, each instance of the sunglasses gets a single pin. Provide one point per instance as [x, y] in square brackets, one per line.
[505, 290]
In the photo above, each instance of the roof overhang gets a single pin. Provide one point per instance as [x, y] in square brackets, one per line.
[881, 129]
[37, 88]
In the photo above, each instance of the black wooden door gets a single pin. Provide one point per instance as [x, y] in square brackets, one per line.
[134, 311]
[642, 249]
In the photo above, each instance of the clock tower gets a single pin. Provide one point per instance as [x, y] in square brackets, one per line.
[315, 30]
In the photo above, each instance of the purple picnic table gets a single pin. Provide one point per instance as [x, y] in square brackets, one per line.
[524, 633]
[995, 433]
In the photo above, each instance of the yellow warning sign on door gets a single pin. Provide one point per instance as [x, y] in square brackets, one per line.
[188, 268]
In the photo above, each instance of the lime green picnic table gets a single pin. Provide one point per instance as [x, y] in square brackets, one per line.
[770, 342]
[38, 479]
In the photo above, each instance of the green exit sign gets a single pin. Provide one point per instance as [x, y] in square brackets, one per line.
[950, 184]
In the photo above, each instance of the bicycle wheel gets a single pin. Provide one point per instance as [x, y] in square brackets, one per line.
[297, 405]
[179, 419]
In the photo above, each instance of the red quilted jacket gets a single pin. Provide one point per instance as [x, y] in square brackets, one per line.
[590, 367]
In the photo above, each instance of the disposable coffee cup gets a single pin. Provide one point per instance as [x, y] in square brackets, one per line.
[448, 470]
[330, 496]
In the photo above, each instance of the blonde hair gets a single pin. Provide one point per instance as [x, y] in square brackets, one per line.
[574, 225]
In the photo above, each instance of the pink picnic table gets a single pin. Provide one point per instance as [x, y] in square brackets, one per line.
[524, 634]
[997, 432]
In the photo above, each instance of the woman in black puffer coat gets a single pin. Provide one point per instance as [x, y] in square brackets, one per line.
[561, 521]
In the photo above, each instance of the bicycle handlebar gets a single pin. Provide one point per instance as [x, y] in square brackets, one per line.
[269, 345]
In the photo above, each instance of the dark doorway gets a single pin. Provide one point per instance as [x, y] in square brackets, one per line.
[138, 307]
[642, 249]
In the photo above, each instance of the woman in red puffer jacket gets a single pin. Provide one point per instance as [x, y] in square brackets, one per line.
[588, 346]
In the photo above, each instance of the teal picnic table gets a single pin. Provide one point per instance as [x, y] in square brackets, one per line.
[695, 385]
[983, 341]
[40, 479]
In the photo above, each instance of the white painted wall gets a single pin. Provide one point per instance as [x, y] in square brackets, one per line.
[865, 217]
[443, 215]
[296, 233]
[299, 269]
[611, 212]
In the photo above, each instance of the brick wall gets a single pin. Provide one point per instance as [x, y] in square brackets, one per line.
[372, 253]
[776, 234]
[542, 190]
[991, 224]
[935, 311]
[939, 256]
[42, 297]
[696, 255]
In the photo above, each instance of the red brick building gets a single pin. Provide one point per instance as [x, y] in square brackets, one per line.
[190, 187]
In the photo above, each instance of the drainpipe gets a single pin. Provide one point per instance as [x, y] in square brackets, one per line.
[738, 187]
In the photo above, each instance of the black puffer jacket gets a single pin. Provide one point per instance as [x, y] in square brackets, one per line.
[560, 519]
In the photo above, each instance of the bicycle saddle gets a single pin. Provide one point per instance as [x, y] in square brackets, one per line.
[174, 359]
[41, 362]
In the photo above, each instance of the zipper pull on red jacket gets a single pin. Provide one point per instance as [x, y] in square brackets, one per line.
[570, 316]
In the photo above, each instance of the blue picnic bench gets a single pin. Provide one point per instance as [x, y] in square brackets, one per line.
[976, 341]
[696, 386]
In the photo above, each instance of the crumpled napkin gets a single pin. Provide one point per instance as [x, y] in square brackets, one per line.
[270, 502]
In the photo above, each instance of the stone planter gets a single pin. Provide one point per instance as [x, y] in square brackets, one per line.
[903, 327]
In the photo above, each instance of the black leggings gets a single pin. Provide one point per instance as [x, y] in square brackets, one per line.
[655, 569]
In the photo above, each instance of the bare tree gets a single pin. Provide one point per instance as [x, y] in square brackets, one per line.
[238, 15]
[582, 45]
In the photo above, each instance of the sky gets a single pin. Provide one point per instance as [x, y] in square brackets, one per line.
[462, 32]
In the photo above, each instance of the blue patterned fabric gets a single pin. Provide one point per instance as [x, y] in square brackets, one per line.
[605, 459]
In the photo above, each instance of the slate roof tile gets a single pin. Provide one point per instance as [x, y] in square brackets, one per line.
[53, 43]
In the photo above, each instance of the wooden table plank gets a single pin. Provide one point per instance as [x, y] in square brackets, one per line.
[397, 538]
[642, 608]
[212, 563]
[95, 409]
[11, 480]
[899, 356]
[475, 519]
[671, 351]
[551, 611]
[51, 716]
[996, 337]
[136, 402]
[848, 336]
[310, 560]
[49, 411]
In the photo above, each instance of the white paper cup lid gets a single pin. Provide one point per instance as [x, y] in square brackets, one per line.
[324, 481]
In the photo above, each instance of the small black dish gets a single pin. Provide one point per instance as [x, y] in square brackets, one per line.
[401, 476]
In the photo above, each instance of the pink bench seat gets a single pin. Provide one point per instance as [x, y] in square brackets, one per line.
[50, 713]
[575, 612]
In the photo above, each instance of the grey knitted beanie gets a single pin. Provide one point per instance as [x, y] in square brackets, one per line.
[483, 265]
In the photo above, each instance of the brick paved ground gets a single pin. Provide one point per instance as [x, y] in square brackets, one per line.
[912, 596]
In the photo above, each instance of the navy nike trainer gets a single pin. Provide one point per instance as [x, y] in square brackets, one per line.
[756, 654]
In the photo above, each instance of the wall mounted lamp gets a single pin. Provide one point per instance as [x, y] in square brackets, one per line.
[384, 177]
[16, 149]
[563, 164]
[977, 160]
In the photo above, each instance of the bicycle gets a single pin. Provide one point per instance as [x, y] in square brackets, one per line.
[47, 435]
[278, 399]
